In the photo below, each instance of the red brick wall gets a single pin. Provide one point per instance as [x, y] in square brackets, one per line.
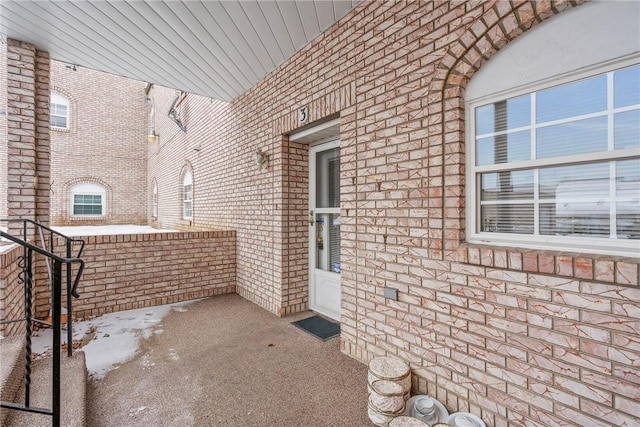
[518, 337]
[105, 144]
[11, 291]
[124, 272]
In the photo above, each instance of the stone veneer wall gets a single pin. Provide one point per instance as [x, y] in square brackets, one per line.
[124, 272]
[518, 337]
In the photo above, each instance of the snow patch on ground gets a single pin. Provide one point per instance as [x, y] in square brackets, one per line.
[108, 230]
[117, 336]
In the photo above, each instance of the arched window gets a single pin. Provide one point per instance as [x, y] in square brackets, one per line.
[187, 194]
[154, 200]
[59, 112]
[554, 133]
[88, 199]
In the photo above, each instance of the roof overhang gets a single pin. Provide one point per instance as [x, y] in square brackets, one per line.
[213, 48]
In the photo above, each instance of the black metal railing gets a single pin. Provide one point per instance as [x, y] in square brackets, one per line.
[55, 264]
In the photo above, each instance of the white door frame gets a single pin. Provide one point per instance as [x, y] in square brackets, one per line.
[318, 275]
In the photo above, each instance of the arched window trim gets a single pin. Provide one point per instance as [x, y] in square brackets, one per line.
[487, 88]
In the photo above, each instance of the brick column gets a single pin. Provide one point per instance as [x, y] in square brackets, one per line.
[28, 162]
[43, 173]
[43, 141]
[28, 150]
[3, 131]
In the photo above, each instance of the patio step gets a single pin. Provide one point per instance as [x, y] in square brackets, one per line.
[72, 399]
[11, 371]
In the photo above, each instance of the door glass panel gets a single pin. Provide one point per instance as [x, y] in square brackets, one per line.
[328, 242]
[328, 179]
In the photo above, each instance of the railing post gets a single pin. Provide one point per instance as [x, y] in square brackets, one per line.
[57, 311]
[27, 271]
[26, 277]
[69, 305]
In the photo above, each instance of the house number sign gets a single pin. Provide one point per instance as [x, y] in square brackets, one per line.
[303, 115]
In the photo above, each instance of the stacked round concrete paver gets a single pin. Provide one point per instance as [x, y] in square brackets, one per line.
[389, 381]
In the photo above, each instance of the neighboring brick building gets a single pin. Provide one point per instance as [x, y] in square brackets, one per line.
[98, 148]
[462, 240]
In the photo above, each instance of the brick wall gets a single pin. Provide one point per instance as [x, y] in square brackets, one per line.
[123, 272]
[3, 131]
[11, 291]
[28, 163]
[518, 337]
[105, 145]
[294, 243]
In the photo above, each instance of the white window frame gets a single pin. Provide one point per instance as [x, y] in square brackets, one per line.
[154, 200]
[88, 189]
[563, 243]
[57, 99]
[187, 194]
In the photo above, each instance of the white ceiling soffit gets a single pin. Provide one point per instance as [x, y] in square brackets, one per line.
[321, 132]
[213, 48]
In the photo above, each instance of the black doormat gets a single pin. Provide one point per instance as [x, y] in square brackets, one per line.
[319, 327]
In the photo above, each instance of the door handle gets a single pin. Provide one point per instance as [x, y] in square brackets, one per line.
[311, 218]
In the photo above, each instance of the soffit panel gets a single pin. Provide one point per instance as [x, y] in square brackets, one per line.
[213, 48]
[320, 132]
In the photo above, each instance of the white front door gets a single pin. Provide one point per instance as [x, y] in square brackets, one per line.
[324, 229]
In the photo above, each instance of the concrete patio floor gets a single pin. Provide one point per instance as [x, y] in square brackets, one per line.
[227, 362]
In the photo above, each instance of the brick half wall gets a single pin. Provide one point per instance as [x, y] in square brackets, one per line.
[11, 291]
[124, 272]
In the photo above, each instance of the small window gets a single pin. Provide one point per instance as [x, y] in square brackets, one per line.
[154, 201]
[88, 199]
[560, 166]
[87, 204]
[187, 195]
[59, 112]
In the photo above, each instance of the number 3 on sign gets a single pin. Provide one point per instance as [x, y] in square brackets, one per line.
[303, 115]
